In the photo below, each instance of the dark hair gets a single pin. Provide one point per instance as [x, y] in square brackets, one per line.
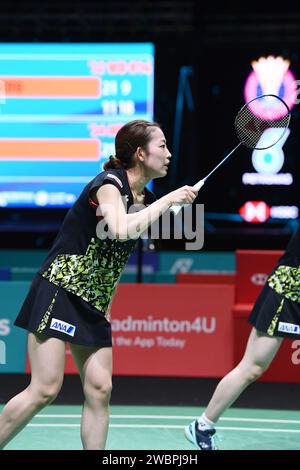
[132, 135]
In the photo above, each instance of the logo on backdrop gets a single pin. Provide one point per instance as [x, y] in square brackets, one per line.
[259, 279]
[270, 75]
[159, 327]
[182, 265]
[259, 212]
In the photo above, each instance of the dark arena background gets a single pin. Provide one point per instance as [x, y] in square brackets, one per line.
[71, 74]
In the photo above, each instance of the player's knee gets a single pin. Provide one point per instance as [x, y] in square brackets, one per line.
[45, 394]
[255, 371]
[98, 391]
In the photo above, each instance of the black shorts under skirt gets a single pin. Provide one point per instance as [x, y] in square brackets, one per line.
[52, 311]
[275, 315]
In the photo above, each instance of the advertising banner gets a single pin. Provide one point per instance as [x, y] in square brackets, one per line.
[175, 262]
[173, 330]
[12, 339]
[253, 268]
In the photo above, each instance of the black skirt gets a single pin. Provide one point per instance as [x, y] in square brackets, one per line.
[54, 312]
[276, 315]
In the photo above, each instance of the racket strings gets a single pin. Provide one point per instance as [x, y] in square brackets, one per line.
[251, 128]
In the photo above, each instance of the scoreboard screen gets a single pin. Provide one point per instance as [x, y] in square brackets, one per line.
[61, 106]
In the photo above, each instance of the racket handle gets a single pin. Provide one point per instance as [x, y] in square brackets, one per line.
[177, 208]
[199, 185]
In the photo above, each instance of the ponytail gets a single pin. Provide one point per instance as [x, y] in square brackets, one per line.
[112, 163]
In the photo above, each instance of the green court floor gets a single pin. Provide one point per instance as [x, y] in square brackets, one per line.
[150, 428]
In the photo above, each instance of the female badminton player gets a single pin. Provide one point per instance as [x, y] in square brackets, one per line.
[70, 296]
[276, 315]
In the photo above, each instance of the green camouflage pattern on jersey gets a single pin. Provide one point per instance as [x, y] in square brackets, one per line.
[94, 275]
[286, 281]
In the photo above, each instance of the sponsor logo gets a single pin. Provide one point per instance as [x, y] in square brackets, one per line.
[181, 265]
[62, 326]
[289, 328]
[255, 211]
[165, 325]
[114, 177]
[259, 279]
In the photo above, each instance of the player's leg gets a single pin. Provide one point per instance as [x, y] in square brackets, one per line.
[95, 368]
[260, 351]
[47, 361]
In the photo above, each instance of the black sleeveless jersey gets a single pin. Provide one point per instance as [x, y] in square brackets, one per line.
[81, 263]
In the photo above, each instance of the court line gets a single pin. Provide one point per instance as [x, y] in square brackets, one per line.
[165, 426]
[254, 420]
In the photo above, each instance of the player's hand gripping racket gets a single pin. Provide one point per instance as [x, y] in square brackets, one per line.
[253, 131]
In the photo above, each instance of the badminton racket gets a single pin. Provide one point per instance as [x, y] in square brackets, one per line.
[253, 130]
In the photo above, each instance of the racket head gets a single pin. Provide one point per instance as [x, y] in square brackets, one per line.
[259, 133]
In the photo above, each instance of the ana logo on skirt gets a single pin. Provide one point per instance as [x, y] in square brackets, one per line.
[62, 326]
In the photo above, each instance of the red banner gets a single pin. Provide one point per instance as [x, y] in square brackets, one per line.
[205, 278]
[173, 330]
[252, 269]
